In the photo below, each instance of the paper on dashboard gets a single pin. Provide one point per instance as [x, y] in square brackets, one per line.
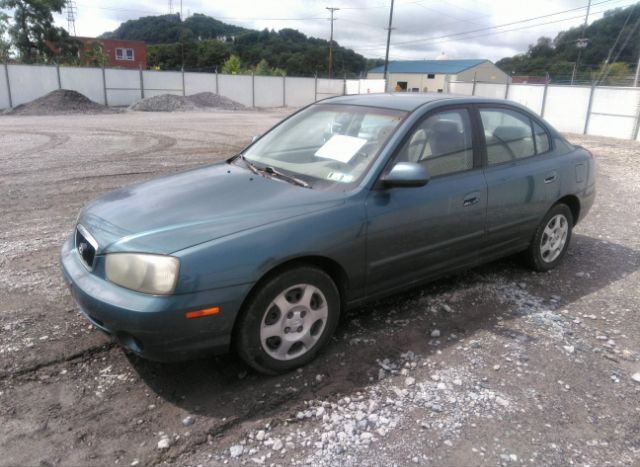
[341, 148]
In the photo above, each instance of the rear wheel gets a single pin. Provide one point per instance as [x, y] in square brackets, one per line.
[551, 240]
[288, 320]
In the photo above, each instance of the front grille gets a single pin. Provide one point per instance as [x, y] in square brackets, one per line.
[86, 246]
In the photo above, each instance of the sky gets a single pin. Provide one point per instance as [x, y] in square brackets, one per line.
[422, 29]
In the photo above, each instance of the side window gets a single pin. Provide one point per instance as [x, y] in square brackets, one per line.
[442, 142]
[542, 139]
[508, 134]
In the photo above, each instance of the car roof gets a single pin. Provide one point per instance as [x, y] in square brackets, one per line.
[407, 101]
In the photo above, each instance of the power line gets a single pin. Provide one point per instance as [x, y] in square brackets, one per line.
[526, 20]
[631, 33]
[615, 43]
[445, 38]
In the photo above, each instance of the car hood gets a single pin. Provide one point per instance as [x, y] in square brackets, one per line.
[171, 213]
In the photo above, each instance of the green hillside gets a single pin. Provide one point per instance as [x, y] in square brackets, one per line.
[557, 56]
[204, 43]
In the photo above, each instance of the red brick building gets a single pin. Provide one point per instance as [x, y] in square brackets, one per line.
[119, 53]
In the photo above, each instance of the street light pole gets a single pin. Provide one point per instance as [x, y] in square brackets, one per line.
[386, 55]
[331, 9]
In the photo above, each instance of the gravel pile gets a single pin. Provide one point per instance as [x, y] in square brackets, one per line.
[60, 102]
[173, 103]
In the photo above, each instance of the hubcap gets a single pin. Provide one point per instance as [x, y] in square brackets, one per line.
[293, 322]
[554, 238]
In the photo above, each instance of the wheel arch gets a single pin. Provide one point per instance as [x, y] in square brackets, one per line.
[335, 270]
[573, 203]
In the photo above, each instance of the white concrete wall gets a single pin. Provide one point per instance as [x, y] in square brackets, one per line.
[269, 91]
[566, 107]
[30, 82]
[236, 87]
[123, 86]
[87, 81]
[493, 91]
[460, 88]
[199, 82]
[300, 92]
[614, 112]
[365, 86]
[330, 87]
[157, 83]
[529, 95]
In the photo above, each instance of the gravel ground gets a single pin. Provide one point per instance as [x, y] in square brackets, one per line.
[498, 365]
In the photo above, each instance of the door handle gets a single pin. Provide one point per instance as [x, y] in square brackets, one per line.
[470, 201]
[551, 178]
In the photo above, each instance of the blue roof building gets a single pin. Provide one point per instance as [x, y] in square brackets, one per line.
[431, 75]
[429, 66]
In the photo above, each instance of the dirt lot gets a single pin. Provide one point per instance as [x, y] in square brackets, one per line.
[495, 366]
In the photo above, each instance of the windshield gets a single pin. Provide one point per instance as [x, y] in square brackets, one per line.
[328, 146]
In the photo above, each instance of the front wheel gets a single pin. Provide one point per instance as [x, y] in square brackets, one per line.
[551, 240]
[288, 320]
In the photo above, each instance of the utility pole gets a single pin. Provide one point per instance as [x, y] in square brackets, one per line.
[386, 55]
[170, 7]
[635, 79]
[581, 44]
[331, 9]
[72, 10]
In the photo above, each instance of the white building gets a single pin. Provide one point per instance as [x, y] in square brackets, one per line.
[431, 75]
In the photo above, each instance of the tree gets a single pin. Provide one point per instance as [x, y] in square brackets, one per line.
[232, 65]
[558, 57]
[212, 54]
[262, 68]
[5, 45]
[612, 74]
[33, 34]
[93, 55]
[208, 43]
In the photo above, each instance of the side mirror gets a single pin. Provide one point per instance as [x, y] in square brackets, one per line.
[406, 174]
[255, 138]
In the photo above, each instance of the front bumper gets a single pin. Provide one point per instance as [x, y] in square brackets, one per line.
[153, 326]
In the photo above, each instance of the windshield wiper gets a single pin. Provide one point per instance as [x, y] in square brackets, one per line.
[289, 178]
[272, 172]
[249, 164]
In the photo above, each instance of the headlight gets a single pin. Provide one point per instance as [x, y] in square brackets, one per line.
[153, 274]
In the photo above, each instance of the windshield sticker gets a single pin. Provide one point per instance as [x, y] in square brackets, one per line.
[341, 148]
[340, 177]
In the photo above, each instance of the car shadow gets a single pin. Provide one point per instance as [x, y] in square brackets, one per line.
[458, 306]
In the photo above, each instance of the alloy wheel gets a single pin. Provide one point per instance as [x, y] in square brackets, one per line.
[294, 322]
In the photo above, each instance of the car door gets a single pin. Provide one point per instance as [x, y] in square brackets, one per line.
[421, 231]
[522, 179]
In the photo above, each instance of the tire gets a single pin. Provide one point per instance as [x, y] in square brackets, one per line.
[551, 239]
[288, 319]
